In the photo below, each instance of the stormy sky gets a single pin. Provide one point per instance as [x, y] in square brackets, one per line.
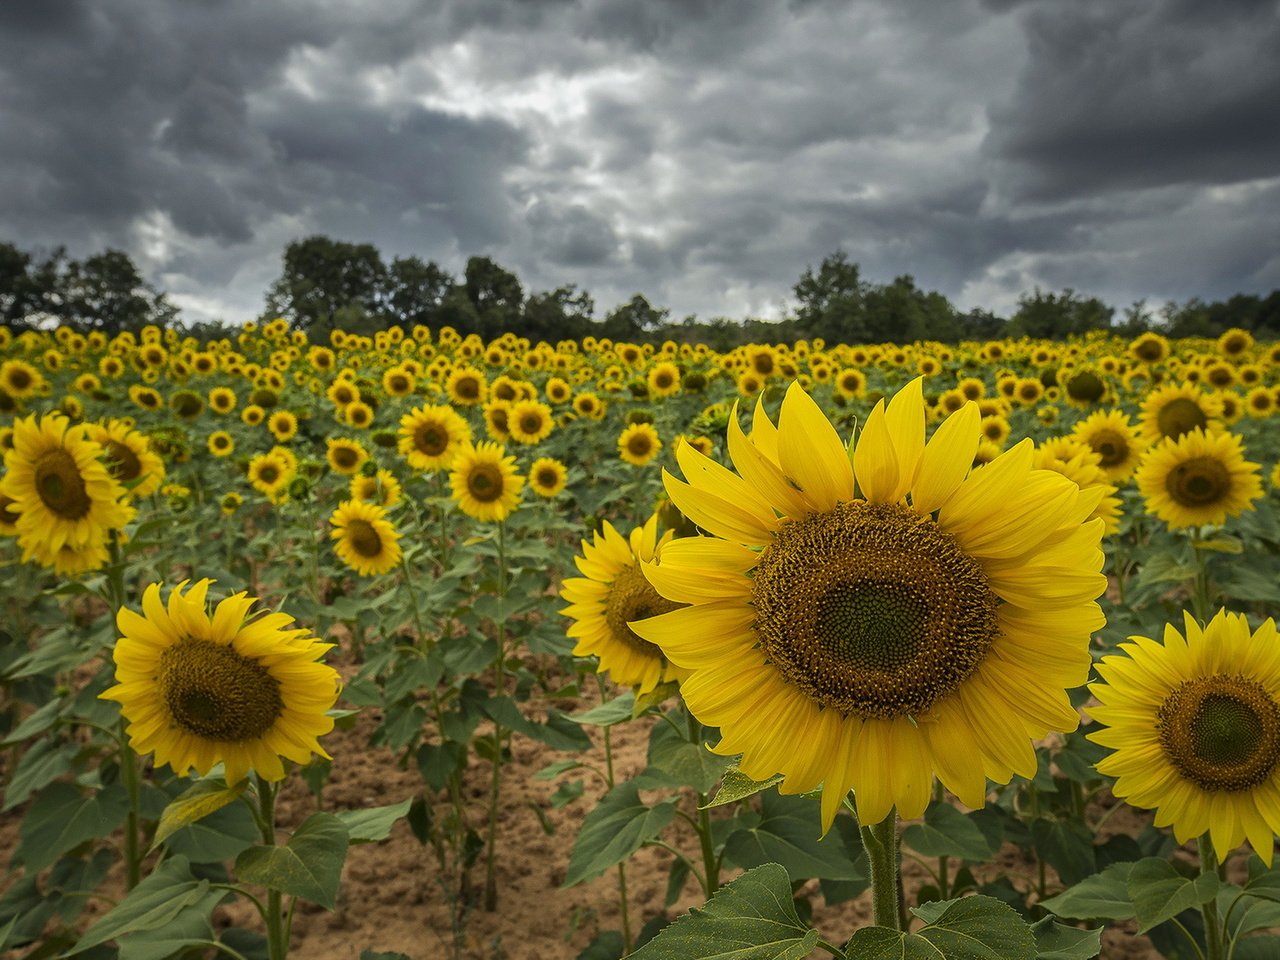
[702, 152]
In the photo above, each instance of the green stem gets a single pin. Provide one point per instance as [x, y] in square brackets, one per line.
[1213, 933]
[413, 601]
[1200, 601]
[128, 759]
[500, 689]
[709, 866]
[277, 935]
[881, 842]
[622, 869]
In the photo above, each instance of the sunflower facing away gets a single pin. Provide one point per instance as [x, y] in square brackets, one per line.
[366, 540]
[231, 688]
[1194, 724]
[611, 593]
[484, 482]
[927, 624]
[1198, 479]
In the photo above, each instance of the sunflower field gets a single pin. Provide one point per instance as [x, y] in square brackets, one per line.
[416, 645]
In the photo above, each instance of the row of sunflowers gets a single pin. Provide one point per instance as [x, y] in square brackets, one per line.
[862, 597]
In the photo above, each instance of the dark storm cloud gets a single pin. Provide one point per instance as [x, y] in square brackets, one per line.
[1135, 94]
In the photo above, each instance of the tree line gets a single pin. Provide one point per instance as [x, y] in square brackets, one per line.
[326, 284]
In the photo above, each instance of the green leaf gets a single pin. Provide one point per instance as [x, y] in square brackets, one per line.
[372, 824]
[790, 834]
[219, 837]
[559, 732]
[37, 723]
[1257, 948]
[1224, 543]
[1067, 846]
[195, 803]
[618, 826]
[1054, 941]
[62, 817]
[1159, 893]
[617, 710]
[44, 762]
[691, 764]
[191, 926]
[1165, 568]
[736, 785]
[1247, 583]
[308, 866]
[750, 918]
[971, 928]
[946, 832]
[153, 904]
[1104, 896]
[655, 698]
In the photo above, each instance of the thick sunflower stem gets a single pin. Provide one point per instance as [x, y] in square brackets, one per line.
[128, 759]
[622, 868]
[500, 689]
[881, 843]
[710, 868]
[413, 602]
[1201, 604]
[277, 930]
[1213, 933]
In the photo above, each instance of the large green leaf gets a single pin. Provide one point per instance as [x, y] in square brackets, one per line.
[372, 824]
[692, 764]
[308, 866]
[736, 785]
[971, 928]
[1055, 941]
[946, 832]
[559, 732]
[1067, 846]
[217, 838]
[617, 710]
[751, 918]
[160, 900]
[44, 762]
[195, 803]
[790, 833]
[614, 830]
[193, 925]
[63, 818]
[1104, 896]
[1159, 893]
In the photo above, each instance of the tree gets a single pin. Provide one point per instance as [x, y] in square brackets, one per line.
[900, 312]
[321, 276]
[831, 300]
[496, 294]
[1052, 316]
[633, 320]
[564, 313]
[415, 291]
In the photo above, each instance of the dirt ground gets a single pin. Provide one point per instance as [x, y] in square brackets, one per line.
[391, 899]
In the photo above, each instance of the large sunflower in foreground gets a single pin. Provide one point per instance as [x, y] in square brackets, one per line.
[484, 482]
[366, 540]
[611, 593]
[231, 688]
[1199, 478]
[927, 621]
[62, 491]
[1195, 726]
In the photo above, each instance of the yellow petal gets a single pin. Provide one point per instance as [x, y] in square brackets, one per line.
[947, 459]
[875, 462]
[905, 418]
[810, 451]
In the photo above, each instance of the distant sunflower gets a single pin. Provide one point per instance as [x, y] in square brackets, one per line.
[20, 379]
[221, 444]
[927, 621]
[398, 382]
[231, 688]
[589, 405]
[345, 455]
[252, 415]
[430, 436]
[358, 414]
[497, 419]
[8, 516]
[63, 492]
[466, 387]
[128, 456]
[485, 482]
[1260, 402]
[663, 379]
[145, 397]
[1194, 726]
[1112, 436]
[547, 477]
[222, 400]
[611, 593]
[381, 488]
[230, 502]
[851, 382]
[283, 425]
[1173, 410]
[270, 474]
[529, 421]
[342, 393]
[365, 540]
[1199, 478]
[639, 443]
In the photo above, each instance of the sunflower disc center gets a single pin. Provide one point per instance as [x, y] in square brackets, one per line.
[215, 693]
[430, 439]
[632, 597]
[1179, 416]
[60, 485]
[122, 462]
[345, 457]
[364, 538]
[1221, 732]
[872, 610]
[1199, 481]
[484, 483]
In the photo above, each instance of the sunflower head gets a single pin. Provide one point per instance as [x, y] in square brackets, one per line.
[365, 540]
[639, 443]
[231, 687]
[1198, 478]
[484, 481]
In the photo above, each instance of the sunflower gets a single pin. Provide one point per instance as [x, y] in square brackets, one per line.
[484, 481]
[342, 393]
[589, 405]
[252, 415]
[270, 474]
[663, 379]
[851, 382]
[639, 443]
[1260, 402]
[430, 436]
[358, 414]
[529, 421]
[1173, 410]
[19, 379]
[874, 641]
[1235, 344]
[63, 493]
[547, 476]
[8, 516]
[283, 425]
[398, 382]
[128, 456]
[229, 503]
[558, 391]
[381, 488]
[1199, 478]
[231, 688]
[613, 592]
[1078, 462]
[1113, 438]
[366, 540]
[221, 444]
[1194, 723]
[145, 397]
[466, 387]
[222, 400]
[345, 456]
